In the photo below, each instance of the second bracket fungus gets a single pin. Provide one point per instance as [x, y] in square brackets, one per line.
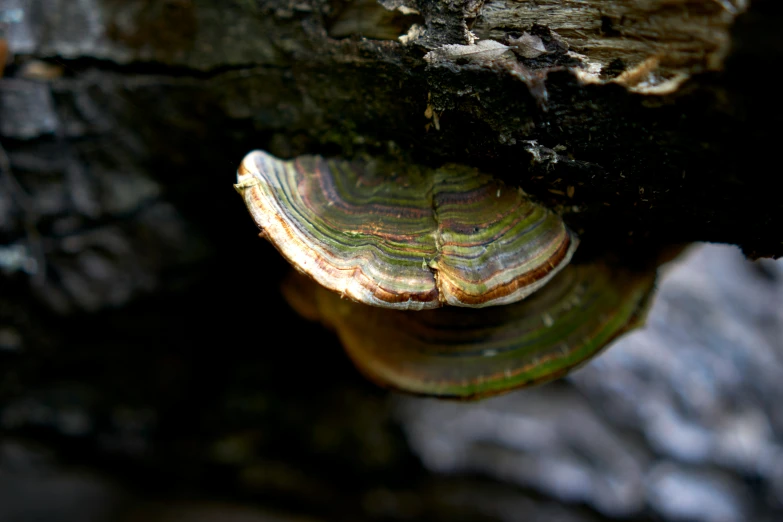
[412, 239]
[470, 354]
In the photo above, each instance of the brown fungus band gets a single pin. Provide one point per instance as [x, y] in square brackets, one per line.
[409, 239]
[470, 354]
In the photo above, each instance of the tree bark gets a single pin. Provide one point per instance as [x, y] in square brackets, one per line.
[665, 144]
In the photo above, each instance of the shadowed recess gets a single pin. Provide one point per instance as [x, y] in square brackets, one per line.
[408, 238]
[471, 354]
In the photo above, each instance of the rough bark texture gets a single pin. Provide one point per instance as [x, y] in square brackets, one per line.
[232, 76]
[123, 248]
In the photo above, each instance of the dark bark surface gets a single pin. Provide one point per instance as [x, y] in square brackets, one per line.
[123, 249]
[156, 78]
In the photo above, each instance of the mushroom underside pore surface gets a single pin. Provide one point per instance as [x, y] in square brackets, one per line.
[469, 354]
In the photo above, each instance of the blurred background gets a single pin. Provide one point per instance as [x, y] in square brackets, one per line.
[137, 384]
[121, 413]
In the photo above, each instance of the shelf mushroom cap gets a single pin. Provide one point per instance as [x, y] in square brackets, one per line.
[470, 354]
[411, 238]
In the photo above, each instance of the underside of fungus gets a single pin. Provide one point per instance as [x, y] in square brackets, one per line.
[411, 239]
[469, 354]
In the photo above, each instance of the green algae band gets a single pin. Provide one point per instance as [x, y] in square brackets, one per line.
[469, 354]
[411, 238]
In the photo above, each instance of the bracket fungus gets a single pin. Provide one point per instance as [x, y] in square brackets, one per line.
[409, 241]
[412, 239]
[470, 354]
